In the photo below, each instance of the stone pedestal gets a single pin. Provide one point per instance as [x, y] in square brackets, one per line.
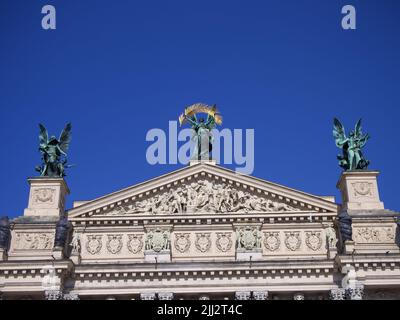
[58, 253]
[75, 257]
[249, 255]
[46, 197]
[151, 256]
[3, 254]
[360, 190]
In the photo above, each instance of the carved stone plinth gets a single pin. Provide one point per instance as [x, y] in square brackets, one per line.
[3, 254]
[151, 256]
[249, 255]
[337, 294]
[46, 197]
[58, 253]
[260, 295]
[242, 295]
[165, 296]
[148, 296]
[53, 295]
[76, 258]
[360, 190]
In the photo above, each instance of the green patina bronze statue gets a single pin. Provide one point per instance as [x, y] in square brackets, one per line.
[351, 158]
[202, 136]
[54, 152]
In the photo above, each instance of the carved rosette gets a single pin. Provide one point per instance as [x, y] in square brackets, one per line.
[182, 242]
[292, 240]
[114, 243]
[203, 241]
[272, 241]
[314, 240]
[135, 243]
[34, 241]
[224, 241]
[94, 244]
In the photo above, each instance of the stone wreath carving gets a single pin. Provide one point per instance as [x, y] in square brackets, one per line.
[203, 241]
[114, 243]
[43, 195]
[362, 189]
[224, 241]
[135, 243]
[314, 240]
[182, 242]
[272, 241]
[203, 196]
[292, 240]
[94, 244]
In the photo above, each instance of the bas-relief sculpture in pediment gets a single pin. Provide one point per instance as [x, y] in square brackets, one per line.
[202, 196]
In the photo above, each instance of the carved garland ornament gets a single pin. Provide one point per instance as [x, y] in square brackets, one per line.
[224, 241]
[362, 189]
[135, 243]
[114, 243]
[314, 240]
[272, 240]
[182, 242]
[43, 195]
[34, 241]
[94, 244]
[374, 234]
[203, 241]
[292, 240]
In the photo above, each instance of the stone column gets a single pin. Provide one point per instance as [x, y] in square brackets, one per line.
[53, 295]
[148, 296]
[165, 296]
[260, 295]
[298, 296]
[242, 295]
[337, 294]
[355, 293]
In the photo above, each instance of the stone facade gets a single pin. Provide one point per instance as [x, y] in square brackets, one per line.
[205, 232]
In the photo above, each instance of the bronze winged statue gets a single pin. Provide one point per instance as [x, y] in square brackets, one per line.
[352, 157]
[54, 152]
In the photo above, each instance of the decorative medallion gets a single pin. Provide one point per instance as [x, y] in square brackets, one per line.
[313, 240]
[158, 240]
[43, 195]
[362, 189]
[114, 243]
[94, 244]
[292, 240]
[224, 241]
[248, 238]
[182, 242]
[203, 241]
[135, 243]
[272, 241]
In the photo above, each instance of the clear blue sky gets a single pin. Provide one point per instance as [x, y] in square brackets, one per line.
[119, 68]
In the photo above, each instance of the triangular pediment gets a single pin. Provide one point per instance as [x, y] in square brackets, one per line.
[202, 189]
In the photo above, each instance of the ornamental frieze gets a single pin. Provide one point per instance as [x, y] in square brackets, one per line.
[224, 241]
[272, 240]
[202, 196]
[374, 234]
[182, 242]
[203, 242]
[114, 243]
[94, 244]
[135, 243]
[34, 241]
[292, 240]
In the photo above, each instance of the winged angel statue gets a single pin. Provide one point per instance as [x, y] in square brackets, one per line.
[202, 136]
[352, 157]
[54, 152]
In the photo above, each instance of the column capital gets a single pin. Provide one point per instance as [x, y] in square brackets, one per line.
[242, 295]
[337, 294]
[148, 296]
[260, 295]
[165, 296]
